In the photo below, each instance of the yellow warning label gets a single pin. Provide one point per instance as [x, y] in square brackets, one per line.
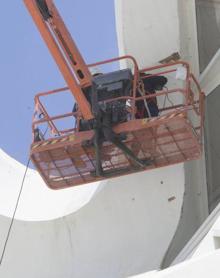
[54, 142]
[71, 137]
[144, 121]
[64, 139]
[35, 146]
[45, 143]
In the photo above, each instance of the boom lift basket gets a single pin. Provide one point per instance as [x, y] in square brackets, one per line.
[64, 159]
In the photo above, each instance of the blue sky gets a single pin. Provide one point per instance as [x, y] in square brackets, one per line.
[26, 66]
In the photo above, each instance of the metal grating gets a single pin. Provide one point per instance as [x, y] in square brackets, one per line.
[71, 164]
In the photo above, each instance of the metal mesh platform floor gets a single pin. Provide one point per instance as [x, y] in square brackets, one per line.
[71, 164]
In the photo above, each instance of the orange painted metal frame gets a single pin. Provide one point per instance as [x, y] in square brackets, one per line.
[63, 160]
[186, 135]
[64, 52]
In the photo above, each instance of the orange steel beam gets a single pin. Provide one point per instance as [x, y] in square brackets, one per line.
[69, 47]
[64, 52]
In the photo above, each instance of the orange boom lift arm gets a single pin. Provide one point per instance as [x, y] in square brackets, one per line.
[115, 133]
[78, 77]
[63, 50]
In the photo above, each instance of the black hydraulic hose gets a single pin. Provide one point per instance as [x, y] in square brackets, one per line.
[114, 139]
[98, 145]
[129, 153]
[43, 8]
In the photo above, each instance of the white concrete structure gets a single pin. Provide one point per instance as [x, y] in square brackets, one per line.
[200, 256]
[131, 224]
[109, 234]
[201, 267]
[158, 29]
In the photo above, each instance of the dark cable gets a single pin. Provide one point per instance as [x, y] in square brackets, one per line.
[15, 210]
[16, 206]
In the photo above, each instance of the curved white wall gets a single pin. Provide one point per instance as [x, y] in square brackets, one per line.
[113, 229]
[123, 230]
[202, 267]
[37, 201]
[148, 30]
[151, 31]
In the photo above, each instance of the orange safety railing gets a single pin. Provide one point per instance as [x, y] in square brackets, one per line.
[180, 94]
